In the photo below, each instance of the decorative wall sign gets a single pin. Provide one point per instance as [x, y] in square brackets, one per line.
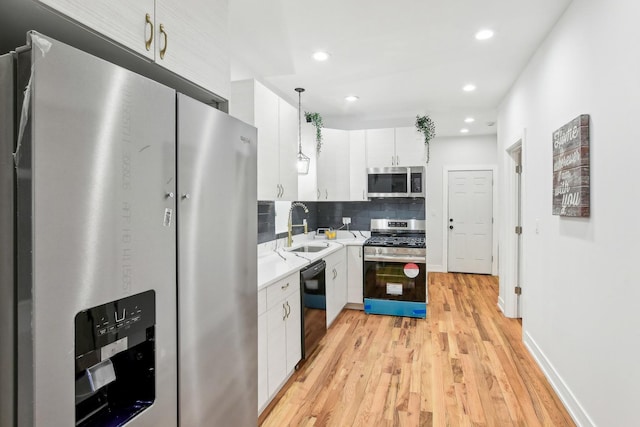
[571, 186]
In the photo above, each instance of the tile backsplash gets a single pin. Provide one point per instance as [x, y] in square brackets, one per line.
[330, 214]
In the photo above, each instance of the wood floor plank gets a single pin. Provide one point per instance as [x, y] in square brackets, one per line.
[465, 365]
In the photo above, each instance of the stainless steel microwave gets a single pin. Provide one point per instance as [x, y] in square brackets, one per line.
[396, 182]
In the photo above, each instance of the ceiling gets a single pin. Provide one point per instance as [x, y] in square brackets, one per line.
[401, 58]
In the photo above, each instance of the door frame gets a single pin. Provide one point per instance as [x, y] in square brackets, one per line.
[445, 212]
[508, 302]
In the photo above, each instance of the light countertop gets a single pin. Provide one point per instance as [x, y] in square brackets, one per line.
[276, 264]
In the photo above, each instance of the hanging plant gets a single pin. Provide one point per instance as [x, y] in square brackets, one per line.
[316, 120]
[425, 125]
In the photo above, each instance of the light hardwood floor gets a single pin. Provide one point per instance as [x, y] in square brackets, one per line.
[465, 365]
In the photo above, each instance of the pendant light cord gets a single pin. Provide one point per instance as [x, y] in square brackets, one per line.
[299, 90]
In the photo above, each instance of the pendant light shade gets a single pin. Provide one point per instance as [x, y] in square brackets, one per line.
[303, 161]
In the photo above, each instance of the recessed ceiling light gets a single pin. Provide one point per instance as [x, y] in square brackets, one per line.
[464, 130]
[351, 98]
[484, 34]
[469, 120]
[321, 56]
[469, 88]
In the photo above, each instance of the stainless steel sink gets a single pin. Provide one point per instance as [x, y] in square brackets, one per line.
[309, 249]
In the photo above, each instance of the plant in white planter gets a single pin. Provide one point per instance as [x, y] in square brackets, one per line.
[425, 125]
[316, 120]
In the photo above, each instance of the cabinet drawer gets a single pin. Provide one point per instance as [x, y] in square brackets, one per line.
[262, 301]
[282, 289]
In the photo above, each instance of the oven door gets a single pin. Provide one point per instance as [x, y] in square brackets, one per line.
[395, 277]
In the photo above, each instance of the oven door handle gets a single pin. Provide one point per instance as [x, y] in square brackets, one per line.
[396, 258]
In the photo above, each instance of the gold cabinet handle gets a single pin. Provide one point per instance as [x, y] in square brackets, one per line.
[147, 43]
[164, 49]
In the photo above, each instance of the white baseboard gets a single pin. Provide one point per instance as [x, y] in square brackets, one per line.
[577, 412]
[436, 268]
[501, 304]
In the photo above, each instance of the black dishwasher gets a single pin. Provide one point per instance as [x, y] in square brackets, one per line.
[313, 295]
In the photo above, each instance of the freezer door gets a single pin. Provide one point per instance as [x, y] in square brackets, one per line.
[95, 221]
[217, 291]
[7, 308]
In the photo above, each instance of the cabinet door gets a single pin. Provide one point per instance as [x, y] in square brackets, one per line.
[336, 290]
[288, 150]
[333, 165]
[122, 21]
[354, 275]
[276, 346]
[357, 166]
[266, 120]
[341, 285]
[336, 283]
[308, 184]
[294, 331]
[194, 41]
[380, 147]
[410, 150]
[263, 360]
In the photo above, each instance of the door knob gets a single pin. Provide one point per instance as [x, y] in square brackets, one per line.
[450, 219]
[451, 227]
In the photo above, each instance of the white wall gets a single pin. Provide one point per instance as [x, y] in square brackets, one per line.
[580, 287]
[450, 152]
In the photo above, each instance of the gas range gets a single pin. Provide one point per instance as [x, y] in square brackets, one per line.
[397, 233]
[395, 268]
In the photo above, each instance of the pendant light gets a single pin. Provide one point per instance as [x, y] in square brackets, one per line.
[303, 161]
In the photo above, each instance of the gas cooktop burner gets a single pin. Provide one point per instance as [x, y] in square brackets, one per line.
[405, 242]
[398, 233]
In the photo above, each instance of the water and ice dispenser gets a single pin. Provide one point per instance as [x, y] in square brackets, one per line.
[115, 361]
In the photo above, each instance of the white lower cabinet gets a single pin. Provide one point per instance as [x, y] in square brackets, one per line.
[336, 283]
[263, 387]
[280, 347]
[354, 275]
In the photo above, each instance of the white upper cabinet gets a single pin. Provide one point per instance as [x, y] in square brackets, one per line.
[277, 124]
[126, 22]
[192, 41]
[380, 147]
[308, 183]
[394, 147]
[333, 166]
[288, 150]
[266, 106]
[357, 166]
[189, 38]
[410, 150]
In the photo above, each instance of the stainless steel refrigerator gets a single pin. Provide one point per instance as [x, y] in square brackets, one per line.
[127, 249]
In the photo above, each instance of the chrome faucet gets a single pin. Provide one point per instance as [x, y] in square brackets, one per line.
[290, 224]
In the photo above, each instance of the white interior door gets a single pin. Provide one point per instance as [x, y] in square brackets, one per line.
[470, 229]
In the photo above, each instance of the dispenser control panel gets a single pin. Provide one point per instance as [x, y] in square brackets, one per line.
[110, 323]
